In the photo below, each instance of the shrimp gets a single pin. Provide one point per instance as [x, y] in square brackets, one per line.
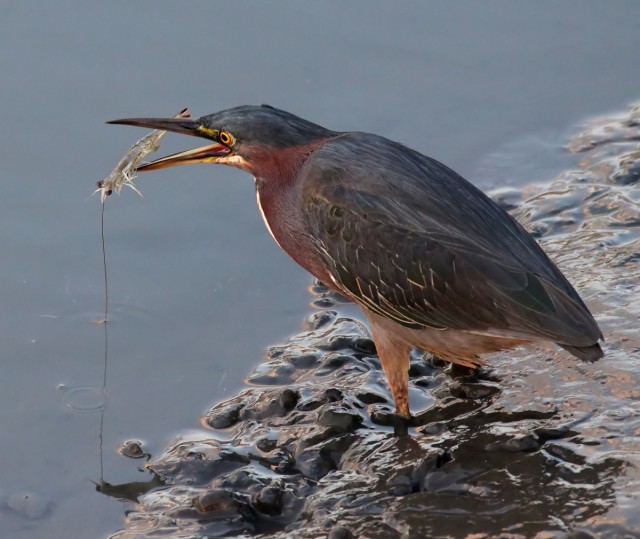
[124, 173]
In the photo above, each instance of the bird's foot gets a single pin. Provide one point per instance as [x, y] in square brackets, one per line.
[481, 374]
[399, 422]
[401, 425]
[460, 371]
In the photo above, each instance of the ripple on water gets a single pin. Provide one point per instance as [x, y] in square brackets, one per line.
[539, 446]
[120, 313]
[29, 505]
[84, 399]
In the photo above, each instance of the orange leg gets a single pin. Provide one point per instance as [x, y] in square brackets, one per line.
[395, 357]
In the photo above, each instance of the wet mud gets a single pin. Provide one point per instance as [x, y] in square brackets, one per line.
[538, 445]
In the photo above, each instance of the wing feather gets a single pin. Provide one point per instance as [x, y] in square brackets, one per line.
[429, 249]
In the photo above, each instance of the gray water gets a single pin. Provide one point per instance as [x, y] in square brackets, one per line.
[198, 290]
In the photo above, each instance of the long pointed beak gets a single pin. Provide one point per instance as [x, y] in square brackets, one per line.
[185, 126]
[205, 154]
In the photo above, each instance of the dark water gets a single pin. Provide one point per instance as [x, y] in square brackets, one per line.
[198, 290]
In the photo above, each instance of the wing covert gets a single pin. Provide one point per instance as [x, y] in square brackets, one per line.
[411, 269]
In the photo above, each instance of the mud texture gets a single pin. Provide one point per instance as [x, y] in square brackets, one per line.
[539, 445]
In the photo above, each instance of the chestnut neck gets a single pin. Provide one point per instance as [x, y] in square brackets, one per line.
[280, 204]
[271, 165]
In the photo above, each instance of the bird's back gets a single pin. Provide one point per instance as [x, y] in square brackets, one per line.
[436, 248]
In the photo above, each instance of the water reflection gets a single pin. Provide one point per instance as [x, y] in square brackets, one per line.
[131, 491]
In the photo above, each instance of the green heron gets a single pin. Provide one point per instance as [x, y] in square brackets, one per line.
[432, 261]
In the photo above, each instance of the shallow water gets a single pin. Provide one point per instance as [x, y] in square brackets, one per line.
[538, 445]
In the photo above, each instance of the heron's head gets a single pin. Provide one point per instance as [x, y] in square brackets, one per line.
[259, 139]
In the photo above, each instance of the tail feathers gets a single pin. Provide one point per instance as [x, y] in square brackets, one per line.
[586, 353]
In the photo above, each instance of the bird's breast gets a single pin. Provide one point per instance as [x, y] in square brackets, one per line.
[280, 210]
[266, 220]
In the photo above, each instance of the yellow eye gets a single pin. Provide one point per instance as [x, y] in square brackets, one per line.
[226, 138]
